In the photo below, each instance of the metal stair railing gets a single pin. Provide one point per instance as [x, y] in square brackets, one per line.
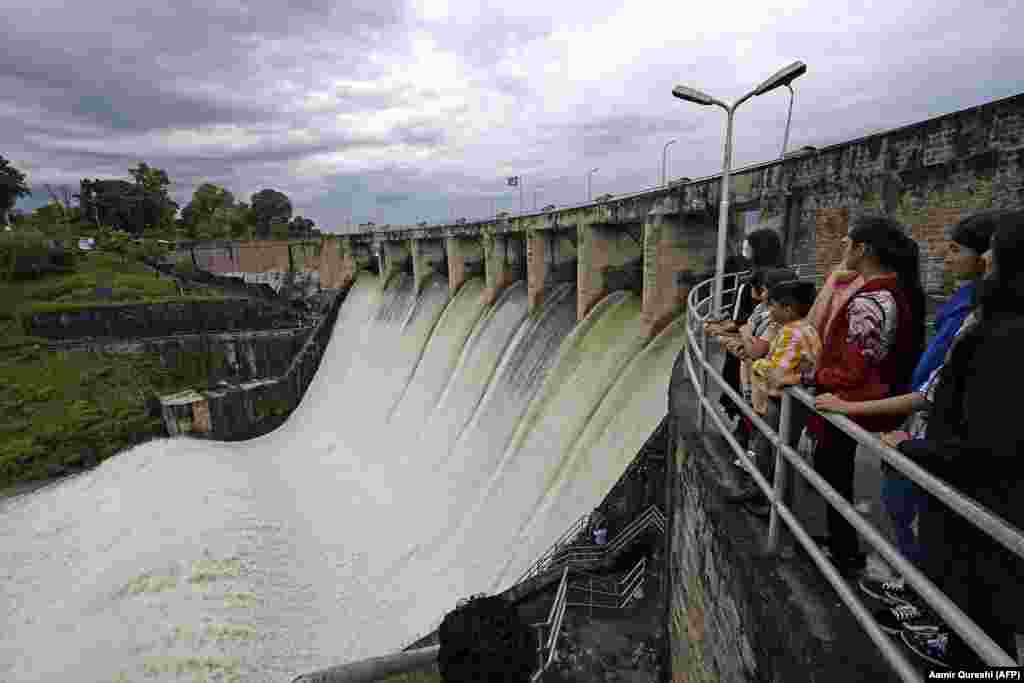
[564, 540]
[588, 554]
[554, 622]
[788, 462]
[602, 593]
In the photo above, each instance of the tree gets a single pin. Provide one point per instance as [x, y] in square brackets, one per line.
[300, 227]
[137, 207]
[12, 186]
[270, 206]
[279, 230]
[206, 201]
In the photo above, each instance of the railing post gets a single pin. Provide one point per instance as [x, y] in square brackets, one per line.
[702, 418]
[782, 491]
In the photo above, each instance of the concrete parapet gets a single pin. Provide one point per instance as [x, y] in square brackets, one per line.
[465, 259]
[601, 248]
[551, 258]
[504, 263]
[428, 257]
[674, 247]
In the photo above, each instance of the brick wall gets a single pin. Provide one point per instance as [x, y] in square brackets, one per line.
[927, 175]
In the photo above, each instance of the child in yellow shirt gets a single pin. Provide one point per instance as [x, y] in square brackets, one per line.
[796, 342]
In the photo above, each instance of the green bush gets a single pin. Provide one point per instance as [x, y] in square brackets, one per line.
[26, 255]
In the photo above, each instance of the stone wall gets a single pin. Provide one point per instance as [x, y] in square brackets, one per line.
[303, 266]
[736, 612]
[927, 175]
[230, 357]
[160, 319]
[255, 408]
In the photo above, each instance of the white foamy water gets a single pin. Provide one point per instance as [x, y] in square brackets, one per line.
[441, 447]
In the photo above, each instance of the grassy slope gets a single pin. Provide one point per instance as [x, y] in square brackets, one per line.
[60, 411]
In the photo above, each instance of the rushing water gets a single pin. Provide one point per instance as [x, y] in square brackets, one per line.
[442, 446]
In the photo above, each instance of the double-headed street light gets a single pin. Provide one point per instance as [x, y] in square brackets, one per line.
[589, 174]
[664, 158]
[782, 77]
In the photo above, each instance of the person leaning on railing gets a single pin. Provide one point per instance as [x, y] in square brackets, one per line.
[902, 498]
[763, 249]
[973, 443]
[795, 342]
[869, 352]
[752, 339]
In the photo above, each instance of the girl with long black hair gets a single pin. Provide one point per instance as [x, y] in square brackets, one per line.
[761, 249]
[972, 441]
[869, 352]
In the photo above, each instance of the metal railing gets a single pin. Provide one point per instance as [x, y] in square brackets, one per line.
[554, 622]
[609, 594]
[563, 552]
[696, 356]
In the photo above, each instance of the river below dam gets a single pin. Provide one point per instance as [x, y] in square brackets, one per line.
[442, 446]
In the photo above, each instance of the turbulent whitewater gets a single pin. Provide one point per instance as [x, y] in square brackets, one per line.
[442, 446]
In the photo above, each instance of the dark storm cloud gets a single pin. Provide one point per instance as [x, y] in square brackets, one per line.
[153, 68]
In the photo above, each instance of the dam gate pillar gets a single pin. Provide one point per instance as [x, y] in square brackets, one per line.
[551, 258]
[394, 258]
[677, 247]
[465, 260]
[610, 258]
[428, 257]
[504, 263]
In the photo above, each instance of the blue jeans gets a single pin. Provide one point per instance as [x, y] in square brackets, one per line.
[903, 500]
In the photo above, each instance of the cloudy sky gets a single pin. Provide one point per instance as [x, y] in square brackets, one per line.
[404, 110]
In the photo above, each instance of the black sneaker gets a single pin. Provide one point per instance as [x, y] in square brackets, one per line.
[889, 592]
[907, 618]
[932, 647]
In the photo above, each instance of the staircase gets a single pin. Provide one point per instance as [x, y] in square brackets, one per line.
[566, 553]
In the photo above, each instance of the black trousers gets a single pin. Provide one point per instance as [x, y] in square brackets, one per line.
[977, 574]
[731, 375]
[834, 461]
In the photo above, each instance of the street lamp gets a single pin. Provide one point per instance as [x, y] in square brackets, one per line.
[789, 117]
[664, 158]
[535, 191]
[589, 174]
[782, 77]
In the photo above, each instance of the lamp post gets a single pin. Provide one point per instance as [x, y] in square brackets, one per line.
[535, 191]
[782, 77]
[789, 117]
[589, 174]
[664, 160]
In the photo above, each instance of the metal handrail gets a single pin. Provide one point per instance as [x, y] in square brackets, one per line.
[561, 542]
[991, 524]
[554, 620]
[560, 551]
[635, 577]
[651, 515]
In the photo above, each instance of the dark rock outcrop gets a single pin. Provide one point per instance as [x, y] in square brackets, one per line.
[485, 640]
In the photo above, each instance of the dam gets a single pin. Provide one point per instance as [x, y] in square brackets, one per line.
[442, 446]
[483, 387]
